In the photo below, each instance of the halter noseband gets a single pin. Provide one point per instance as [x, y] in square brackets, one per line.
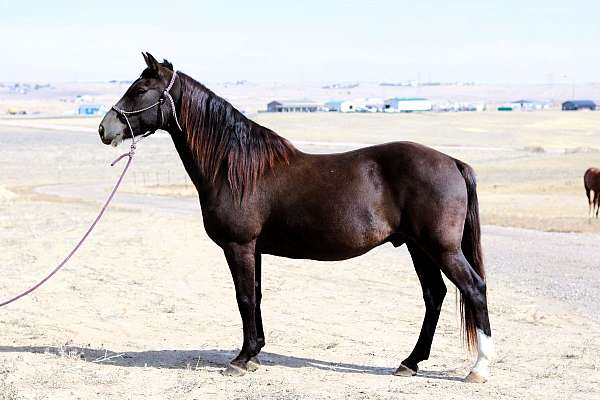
[158, 103]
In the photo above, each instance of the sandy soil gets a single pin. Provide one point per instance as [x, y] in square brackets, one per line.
[147, 309]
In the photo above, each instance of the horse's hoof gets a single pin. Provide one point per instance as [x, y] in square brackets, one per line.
[233, 370]
[253, 364]
[475, 377]
[403, 370]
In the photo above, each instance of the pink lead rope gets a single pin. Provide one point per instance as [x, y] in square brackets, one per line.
[166, 93]
[87, 233]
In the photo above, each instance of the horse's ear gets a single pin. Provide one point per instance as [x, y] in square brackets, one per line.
[167, 64]
[151, 61]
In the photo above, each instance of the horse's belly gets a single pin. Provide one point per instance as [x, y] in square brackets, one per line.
[335, 252]
[325, 240]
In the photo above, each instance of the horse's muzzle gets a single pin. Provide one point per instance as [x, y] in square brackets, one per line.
[103, 137]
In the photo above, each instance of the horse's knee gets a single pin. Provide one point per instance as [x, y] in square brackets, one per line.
[246, 301]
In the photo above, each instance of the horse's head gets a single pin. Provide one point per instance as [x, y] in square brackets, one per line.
[144, 104]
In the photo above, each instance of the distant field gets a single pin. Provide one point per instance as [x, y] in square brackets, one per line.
[254, 96]
[529, 164]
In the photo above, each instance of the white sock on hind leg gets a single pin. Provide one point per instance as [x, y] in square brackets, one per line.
[485, 354]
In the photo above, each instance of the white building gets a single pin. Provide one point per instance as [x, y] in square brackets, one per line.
[344, 106]
[373, 104]
[448, 106]
[369, 104]
[527, 105]
[407, 104]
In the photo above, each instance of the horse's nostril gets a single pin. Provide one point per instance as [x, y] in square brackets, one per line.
[101, 130]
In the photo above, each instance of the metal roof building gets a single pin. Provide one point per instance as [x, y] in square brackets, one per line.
[340, 105]
[294, 106]
[334, 105]
[573, 105]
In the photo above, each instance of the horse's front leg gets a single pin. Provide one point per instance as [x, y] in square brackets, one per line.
[241, 260]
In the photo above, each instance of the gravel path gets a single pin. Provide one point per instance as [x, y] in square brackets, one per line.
[560, 266]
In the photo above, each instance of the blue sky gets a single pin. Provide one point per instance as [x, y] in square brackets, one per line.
[508, 41]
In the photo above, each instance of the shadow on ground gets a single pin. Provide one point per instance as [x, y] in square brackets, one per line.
[198, 359]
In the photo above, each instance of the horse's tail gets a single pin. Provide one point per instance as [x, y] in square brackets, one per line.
[471, 247]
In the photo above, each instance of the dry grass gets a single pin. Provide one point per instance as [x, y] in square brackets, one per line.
[544, 193]
[530, 165]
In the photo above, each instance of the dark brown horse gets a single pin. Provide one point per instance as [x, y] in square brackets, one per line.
[591, 182]
[261, 195]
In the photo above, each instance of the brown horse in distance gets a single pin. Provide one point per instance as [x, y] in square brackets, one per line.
[591, 182]
[260, 195]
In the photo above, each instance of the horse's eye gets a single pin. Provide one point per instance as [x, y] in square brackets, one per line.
[140, 90]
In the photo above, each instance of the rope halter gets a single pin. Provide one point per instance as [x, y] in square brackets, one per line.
[166, 93]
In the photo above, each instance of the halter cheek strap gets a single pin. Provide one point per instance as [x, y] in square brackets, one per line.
[166, 93]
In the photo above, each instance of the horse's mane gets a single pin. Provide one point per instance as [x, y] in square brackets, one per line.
[222, 139]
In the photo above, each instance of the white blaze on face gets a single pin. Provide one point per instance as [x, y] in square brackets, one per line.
[485, 350]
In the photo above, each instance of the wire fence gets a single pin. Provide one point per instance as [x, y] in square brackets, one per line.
[160, 178]
[138, 178]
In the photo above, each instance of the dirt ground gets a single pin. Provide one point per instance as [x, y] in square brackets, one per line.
[147, 308]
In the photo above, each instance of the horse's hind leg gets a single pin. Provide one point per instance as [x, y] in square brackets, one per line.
[434, 291]
[596, 202]
[254, 363]
[590, 196]
[473, 290]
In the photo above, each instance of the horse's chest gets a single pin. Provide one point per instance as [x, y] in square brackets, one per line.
[225, 225]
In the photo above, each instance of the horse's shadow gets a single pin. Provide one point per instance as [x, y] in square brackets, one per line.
[208, 359]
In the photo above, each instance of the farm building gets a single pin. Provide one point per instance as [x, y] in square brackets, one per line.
[90, 109]
[294, 106]
[458, 106]
[573, 105]
[407, 104]
[370, 104]
[340, 106]
[524, 105]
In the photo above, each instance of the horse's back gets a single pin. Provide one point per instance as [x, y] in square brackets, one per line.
[591, 178]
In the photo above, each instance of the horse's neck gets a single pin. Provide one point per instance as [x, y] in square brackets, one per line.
[190, 165]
